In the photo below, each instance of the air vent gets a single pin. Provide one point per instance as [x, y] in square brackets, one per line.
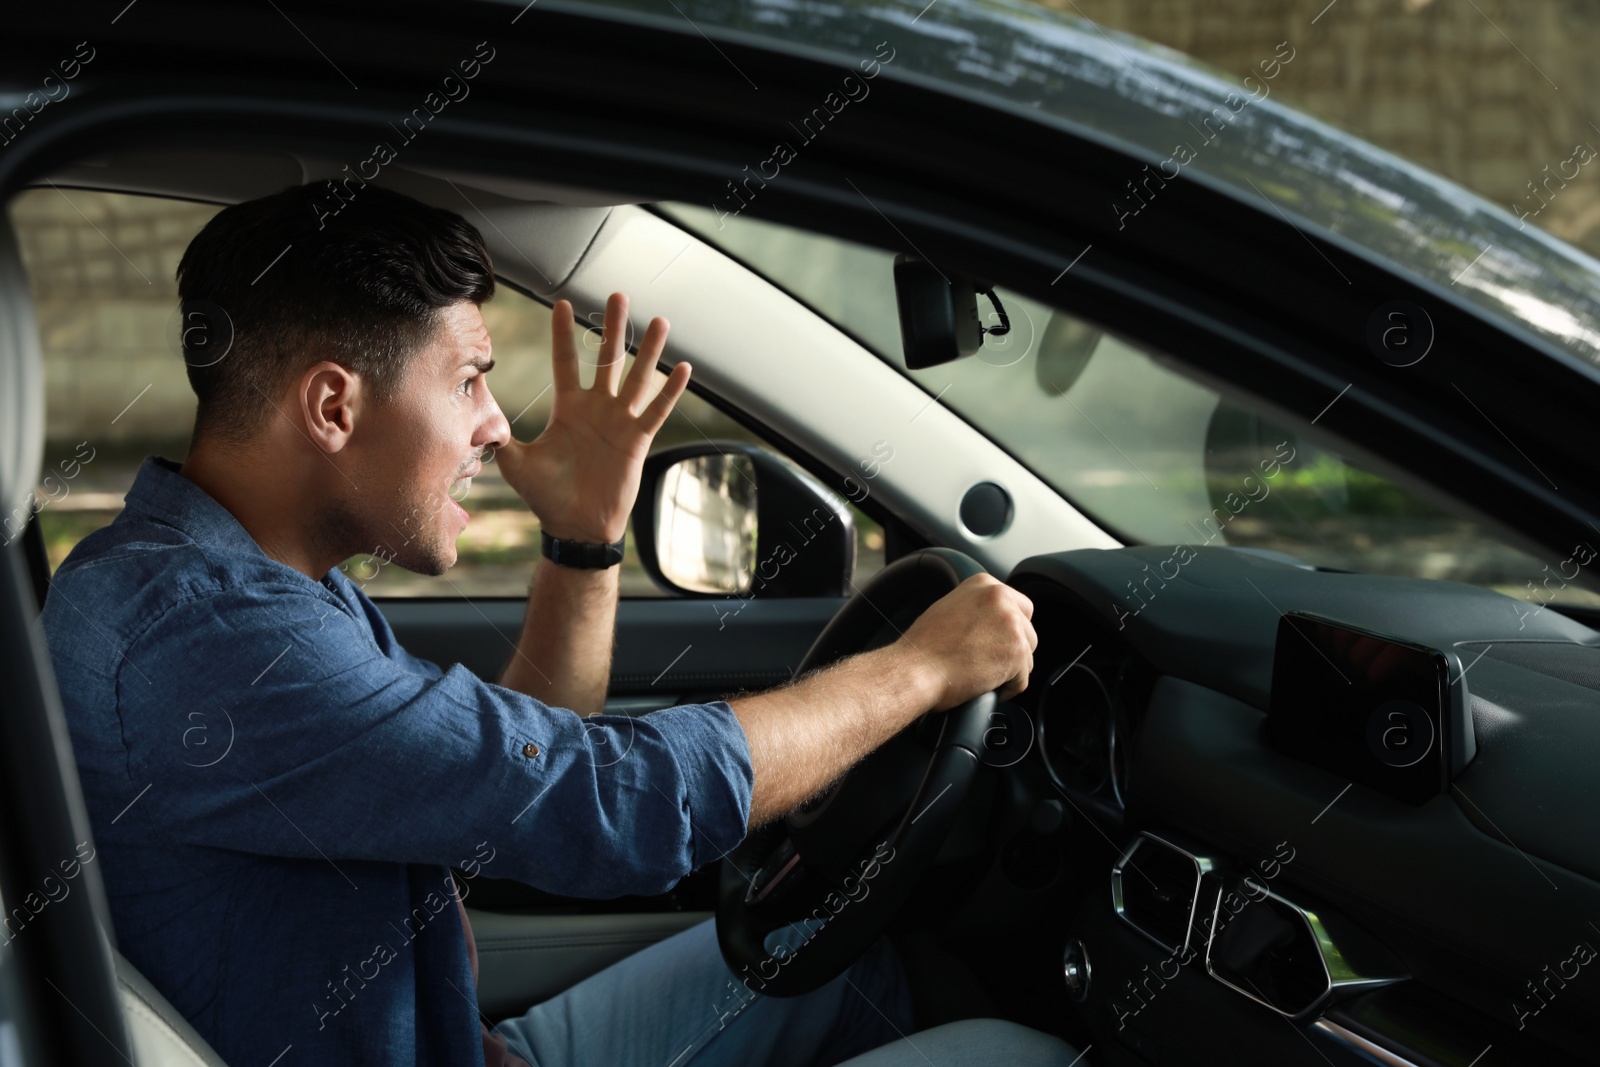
[1154, 889]
[1285, 957]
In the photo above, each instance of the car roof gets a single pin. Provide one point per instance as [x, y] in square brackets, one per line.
[1149, 99]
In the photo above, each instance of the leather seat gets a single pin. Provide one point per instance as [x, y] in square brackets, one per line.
[161, 1037]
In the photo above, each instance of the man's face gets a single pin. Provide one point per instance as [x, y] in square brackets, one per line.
[418, 453]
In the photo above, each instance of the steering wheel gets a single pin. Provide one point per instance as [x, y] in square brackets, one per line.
[803, 897]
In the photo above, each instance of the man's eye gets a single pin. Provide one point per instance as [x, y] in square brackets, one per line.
[466, 385]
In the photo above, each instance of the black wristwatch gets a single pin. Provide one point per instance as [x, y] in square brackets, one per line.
[582, 554]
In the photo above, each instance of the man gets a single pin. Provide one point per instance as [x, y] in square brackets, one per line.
[278, 789]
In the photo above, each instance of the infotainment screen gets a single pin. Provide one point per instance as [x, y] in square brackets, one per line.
[1372, 708]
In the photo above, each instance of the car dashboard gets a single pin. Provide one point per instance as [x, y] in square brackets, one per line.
[1290, 894]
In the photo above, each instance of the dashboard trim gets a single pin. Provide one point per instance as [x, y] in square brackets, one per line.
[1356, 1043]
[1202, 866]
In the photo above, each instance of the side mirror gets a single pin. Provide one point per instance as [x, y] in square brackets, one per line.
[726, 518]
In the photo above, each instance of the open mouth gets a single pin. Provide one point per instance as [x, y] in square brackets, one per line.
[458, 489]
[461, 485]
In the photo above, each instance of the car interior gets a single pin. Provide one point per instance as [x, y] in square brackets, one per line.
[1192, 831]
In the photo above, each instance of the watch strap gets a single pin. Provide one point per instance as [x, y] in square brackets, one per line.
[581, 554]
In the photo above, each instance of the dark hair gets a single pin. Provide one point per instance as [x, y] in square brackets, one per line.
[272, 286]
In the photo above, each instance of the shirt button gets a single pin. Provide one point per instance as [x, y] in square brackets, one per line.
[530, 750]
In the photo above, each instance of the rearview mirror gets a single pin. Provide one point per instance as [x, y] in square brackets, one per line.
[939, 313]
[1065, 349]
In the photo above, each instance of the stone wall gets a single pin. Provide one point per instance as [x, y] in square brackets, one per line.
[1483, 92]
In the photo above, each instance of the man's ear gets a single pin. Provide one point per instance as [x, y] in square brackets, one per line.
[330, 402]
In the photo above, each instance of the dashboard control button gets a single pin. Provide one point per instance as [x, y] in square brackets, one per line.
[1075, 969]
[1047, 817]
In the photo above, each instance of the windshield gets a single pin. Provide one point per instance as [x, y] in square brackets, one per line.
[1440, 83]
[1147, 453]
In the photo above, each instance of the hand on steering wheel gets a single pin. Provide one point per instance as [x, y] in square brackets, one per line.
[804, 896]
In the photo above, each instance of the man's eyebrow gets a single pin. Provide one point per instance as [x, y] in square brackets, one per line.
[483, 366]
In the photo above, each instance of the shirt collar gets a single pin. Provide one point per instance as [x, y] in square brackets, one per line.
[161, 492]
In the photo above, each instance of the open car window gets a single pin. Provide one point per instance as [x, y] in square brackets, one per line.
[101, 268]
[1149, 454]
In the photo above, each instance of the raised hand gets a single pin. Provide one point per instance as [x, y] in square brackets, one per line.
[581, 475]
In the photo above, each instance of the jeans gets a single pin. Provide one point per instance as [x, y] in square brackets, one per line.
[676, 1004]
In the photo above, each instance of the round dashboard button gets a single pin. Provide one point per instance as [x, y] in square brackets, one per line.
[1075, 969]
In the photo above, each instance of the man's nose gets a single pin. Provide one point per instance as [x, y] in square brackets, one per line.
[494, 431]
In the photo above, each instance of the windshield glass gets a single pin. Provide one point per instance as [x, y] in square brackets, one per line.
[1443, 84]
[1147, 453]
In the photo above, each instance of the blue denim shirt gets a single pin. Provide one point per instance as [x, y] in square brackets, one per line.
[277, 790]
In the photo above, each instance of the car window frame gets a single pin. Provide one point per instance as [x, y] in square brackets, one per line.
[898, 536]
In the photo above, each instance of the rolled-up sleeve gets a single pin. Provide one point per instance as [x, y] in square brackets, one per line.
[278, 726]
